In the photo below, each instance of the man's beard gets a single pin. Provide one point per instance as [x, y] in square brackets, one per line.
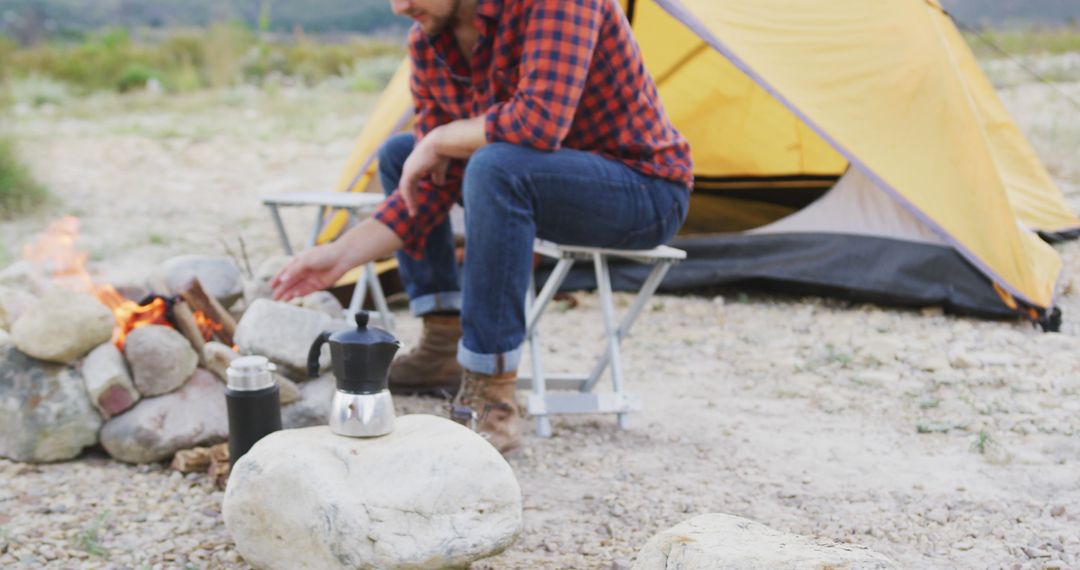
[440, 24]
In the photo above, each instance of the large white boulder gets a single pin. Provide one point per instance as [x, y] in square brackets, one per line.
[726, 542]
[63, 326]
[432, 494]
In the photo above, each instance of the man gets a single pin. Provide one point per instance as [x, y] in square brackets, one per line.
[540, 116]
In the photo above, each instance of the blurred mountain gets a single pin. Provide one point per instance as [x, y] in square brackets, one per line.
[1014, 13]
[32, 20]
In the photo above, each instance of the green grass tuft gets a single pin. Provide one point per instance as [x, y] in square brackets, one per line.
[19, 192]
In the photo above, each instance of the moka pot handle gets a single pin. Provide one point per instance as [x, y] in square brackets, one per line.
[315, 352]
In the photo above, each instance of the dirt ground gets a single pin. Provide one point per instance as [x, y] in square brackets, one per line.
[941, 442]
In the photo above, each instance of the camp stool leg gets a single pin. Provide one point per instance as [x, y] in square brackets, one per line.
[284, 237]
[656, 276]
[317, 227]
[369, 277]
[378, 296]
[543, 422]
[535, 305]
[603, 286]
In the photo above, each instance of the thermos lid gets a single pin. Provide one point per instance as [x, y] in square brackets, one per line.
[250, 373]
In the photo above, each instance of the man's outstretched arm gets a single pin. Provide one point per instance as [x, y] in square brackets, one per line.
[320, 267]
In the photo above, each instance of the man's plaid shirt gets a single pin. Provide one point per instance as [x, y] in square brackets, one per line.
[546, 74]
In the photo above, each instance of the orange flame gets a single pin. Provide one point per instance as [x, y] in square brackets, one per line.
[207, 326]
[56, 254]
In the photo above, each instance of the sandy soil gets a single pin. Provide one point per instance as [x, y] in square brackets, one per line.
[941, 442]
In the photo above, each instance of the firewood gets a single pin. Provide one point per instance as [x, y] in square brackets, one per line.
[191, 460]
[219, 465]
[197, 299]
[186, 324]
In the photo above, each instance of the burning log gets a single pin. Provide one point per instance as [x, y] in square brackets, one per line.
[187, 324]
[214, 317]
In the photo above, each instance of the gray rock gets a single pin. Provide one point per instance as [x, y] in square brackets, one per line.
[284, 334]
[452, 499]
[961, 359]
[258, 287]
[725, 542]
[13, 303]
[25, 276]
[322, 301]
[161, 359]
[108, 382]
[313, 407]
[219, 276]
[5, 338]
[156, 428]
[218, 358]
[287, 389]
[62, 326]
[45, 414]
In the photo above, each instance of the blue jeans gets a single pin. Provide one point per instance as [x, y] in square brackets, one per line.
[513, 194]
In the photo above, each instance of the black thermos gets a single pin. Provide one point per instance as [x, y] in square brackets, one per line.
[253, 401]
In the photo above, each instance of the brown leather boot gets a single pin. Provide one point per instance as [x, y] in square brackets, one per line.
[493, 404]
[431, 367]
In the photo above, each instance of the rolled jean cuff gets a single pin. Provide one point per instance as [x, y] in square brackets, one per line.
[489, 364]
[445, 301]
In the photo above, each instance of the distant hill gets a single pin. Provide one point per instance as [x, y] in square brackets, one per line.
[32, 20]
[1014, 13]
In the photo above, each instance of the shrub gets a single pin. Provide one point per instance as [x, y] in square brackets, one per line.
[136, 76]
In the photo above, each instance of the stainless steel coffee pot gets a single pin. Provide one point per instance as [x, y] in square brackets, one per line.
[360, 357]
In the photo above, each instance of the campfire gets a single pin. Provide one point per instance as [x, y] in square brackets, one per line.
[191, 311]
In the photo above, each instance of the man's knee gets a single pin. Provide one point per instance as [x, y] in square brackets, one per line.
[393, 153]
[492, 167]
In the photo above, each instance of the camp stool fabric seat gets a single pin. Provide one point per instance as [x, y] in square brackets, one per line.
[358, 205]
[573, 393]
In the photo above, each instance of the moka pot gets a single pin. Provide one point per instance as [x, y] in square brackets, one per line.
[360, 358]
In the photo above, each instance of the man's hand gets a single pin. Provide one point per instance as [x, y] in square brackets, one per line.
[312, 270]
[422, 162]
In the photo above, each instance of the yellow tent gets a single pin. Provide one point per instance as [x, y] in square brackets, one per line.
[842, 145]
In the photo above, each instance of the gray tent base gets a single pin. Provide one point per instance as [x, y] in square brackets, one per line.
[856, 267]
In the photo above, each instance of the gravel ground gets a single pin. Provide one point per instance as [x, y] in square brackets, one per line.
[941, 442]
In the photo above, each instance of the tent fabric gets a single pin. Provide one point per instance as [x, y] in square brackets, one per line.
[779, 98]
[846, 266]
[855, 206]
[880, 82]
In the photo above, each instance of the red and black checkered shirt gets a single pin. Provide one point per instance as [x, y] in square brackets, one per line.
[546, 74]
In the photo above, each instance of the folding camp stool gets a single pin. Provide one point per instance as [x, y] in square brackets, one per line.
[358, 205]
[572, 393]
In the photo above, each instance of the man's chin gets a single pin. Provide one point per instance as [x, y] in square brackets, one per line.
[432, 27]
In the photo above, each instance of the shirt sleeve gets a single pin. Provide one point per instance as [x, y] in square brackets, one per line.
[560, 38]
[433, 202]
